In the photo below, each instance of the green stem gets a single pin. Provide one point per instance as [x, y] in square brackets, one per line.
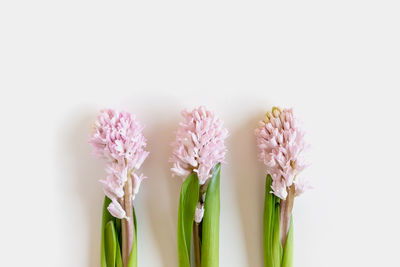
[196, 241]
[128, 232]
[286, 213]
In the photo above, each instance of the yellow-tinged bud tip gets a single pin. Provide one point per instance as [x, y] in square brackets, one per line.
[267, 117]
[293, 164]
[276, 112]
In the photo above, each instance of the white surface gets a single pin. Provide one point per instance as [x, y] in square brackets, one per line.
[335, 62]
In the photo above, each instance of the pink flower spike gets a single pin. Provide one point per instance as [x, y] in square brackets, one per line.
[199, 144]
[117, 137]
[281, 144]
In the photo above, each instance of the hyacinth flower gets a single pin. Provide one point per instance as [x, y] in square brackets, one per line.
[117, 138]
[198, 152]
[281, 144]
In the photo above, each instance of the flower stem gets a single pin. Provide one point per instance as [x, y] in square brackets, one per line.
[285, 214]
[128, 230]
[196, 241]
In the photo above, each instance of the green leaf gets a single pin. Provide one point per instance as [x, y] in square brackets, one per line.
[210, 230]
[287, 260]
[187, 206]
[272, 244]
[110, 244]
[106, 218]
[276, 241]
[133, 258]
[106, 259]
[118, 262]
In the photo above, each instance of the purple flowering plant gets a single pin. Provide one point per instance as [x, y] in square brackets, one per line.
[117, 138]
[281, 144]
[198, 152]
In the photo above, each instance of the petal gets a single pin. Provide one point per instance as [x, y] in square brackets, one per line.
[116, 210]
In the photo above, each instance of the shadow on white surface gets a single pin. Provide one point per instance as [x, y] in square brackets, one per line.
[162, 191]
[84, 200]
[249, 183]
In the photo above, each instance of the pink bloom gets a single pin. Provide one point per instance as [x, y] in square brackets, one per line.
[199, 144]
[301, 185]
[137, 179]
[281, 143]
[117, 137]
[115, 180]
[116, 210]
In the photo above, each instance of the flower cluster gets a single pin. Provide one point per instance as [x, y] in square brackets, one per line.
[117, 137]
[281, 142]
[199, 144]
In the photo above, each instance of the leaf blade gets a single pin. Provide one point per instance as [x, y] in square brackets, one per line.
[106, 217]
[210, 230]
[272, 245]
[189, 197]
[133, 258]
[287, 260]
[110, 244]
[118, 262]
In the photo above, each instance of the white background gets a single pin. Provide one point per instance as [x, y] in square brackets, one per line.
[336, 62]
